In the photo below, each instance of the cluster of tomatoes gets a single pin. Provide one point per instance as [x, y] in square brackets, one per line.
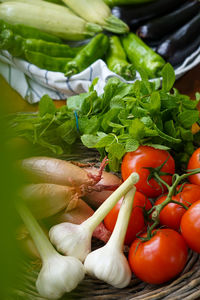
[159, 255]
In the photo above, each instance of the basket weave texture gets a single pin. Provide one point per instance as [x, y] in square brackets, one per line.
[186, 286]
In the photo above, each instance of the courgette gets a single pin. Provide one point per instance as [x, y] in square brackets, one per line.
[96, 11]
[48, 17]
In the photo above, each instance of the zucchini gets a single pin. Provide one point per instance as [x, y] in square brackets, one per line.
[96, 11]
[48, 17]
[29, 32]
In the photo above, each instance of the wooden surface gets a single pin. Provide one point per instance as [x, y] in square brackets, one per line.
[189, 84]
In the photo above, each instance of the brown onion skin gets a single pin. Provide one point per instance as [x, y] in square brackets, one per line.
[47, 199]
[52, 170]
[96, 198]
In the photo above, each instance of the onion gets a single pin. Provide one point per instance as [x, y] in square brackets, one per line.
[47, 199]
[108, 183]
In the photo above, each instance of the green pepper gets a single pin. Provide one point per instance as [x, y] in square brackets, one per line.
[94, 50]
[116, 59]
[11, 42]
[51, 49]
[142, 56]
[56, 64]
[16, 45]
[29, 32]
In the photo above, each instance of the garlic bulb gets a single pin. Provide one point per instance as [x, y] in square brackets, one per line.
[75, 240]
[109, 263]
[59, 274]
[72, 239]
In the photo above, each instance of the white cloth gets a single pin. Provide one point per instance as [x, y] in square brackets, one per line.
[32, 82]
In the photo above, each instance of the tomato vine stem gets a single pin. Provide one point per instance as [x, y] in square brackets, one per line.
[156, 209]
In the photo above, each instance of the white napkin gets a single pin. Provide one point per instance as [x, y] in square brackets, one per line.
[32, 82]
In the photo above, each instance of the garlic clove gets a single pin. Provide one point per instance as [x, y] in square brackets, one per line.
[71, 239]
[110, 266]
[59, 274]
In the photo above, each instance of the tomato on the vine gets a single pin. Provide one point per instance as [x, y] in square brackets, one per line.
[189, 193]
[171, 214]
[194, 163]
[137, 220]
[148, 157]
[159, 259]
[190, 226]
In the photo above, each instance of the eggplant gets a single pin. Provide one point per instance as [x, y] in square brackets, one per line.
[181, 43]
[135, 15]
[180, 55]
[157, 28]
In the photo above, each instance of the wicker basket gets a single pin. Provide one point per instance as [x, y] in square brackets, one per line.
[185, 286]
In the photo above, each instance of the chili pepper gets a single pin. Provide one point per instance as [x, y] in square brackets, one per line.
[16, 45]
[56, 64]
[116, 59]
[157, 28]
[142, 56]
[51, 49]
[175, 47]
[94, 50]
[11, 42]
[29, 32]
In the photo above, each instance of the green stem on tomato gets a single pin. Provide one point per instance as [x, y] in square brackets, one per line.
[179, 203]
[156, 209]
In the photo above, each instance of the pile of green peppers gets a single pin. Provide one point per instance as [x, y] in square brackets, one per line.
[123, 54]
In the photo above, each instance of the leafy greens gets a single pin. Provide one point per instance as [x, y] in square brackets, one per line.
[118, 121]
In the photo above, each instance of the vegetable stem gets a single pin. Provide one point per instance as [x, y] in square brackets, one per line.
[171, 191]
[119, 232]
[41, 241]
[106, 206]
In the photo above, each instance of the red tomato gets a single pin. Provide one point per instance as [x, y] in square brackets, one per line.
[190, 226]
[136, 222]
[190, 193]
[159, 259]
[171, 214]
[194, 163]
[143, 157]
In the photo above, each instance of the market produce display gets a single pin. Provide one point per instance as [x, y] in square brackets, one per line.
[109, 197]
